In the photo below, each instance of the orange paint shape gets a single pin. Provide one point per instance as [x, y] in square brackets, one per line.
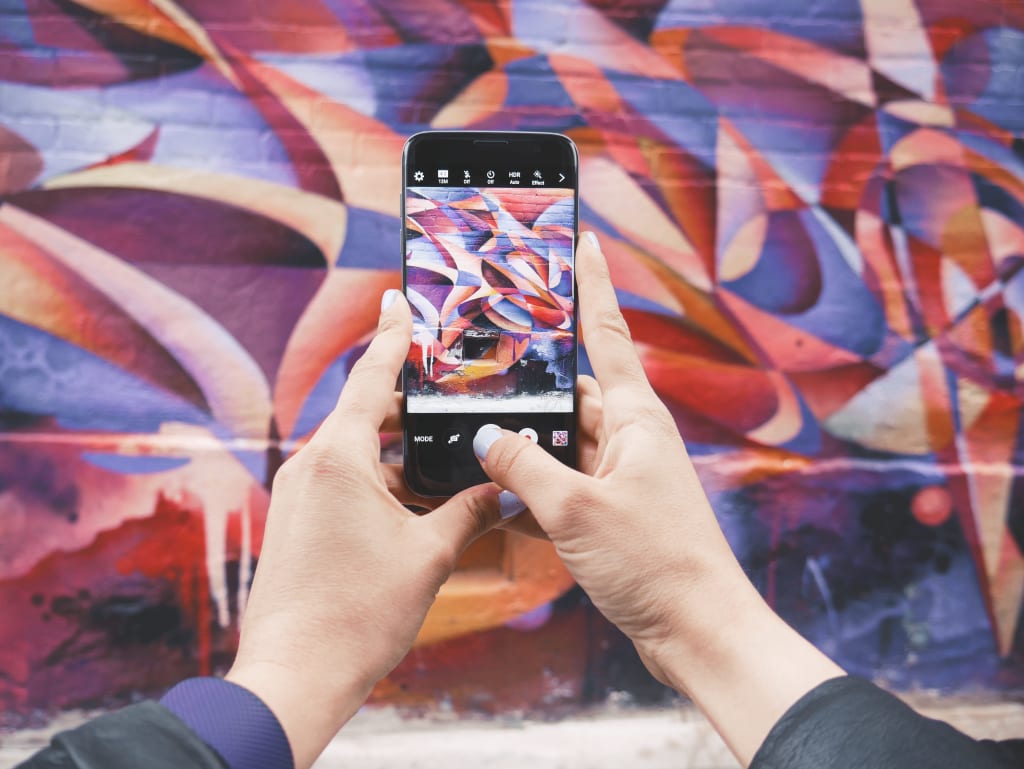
[519, 576]
[973, 334]
[670, 44]
[935, 395]
[990, 444]
[688, 189]
[786, 423]
[343, 312]
[875, 244]
[776, 193]
[620, 200]
[505, 50]
[1007, 594]
[586, 84]
[478, 101]
[491, 20]
[964, 240]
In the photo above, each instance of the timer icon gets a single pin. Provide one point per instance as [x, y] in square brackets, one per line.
[490, 174]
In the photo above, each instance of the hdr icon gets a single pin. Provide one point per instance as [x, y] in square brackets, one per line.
[423, 439]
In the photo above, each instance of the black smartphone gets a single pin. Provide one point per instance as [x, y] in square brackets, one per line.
[489, 238]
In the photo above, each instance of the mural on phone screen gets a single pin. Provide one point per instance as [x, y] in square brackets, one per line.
[489, 278]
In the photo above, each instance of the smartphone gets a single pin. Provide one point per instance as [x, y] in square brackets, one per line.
[489, 238]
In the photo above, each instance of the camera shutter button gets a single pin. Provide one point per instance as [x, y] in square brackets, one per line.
[529, 432]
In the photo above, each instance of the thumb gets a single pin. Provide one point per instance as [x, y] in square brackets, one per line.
[519, 465]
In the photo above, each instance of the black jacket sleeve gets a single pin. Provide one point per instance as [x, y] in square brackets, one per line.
[848, 723]
[145, 735]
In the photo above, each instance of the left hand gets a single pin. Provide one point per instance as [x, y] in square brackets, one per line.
[347, 574]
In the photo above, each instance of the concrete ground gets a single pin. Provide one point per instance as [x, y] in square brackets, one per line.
[609, 738]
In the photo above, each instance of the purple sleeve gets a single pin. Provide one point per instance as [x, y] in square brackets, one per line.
[233, 721]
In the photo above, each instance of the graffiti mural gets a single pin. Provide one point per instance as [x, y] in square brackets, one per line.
[489, 280]
[813, 213]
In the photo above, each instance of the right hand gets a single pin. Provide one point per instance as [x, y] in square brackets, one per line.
[635, 525]
[637, 533]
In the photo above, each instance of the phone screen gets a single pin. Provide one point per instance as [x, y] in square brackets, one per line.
[489, 240]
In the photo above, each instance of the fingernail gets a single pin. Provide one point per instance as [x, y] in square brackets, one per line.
[592, 239]
[483, 440]
[389, 298]
[510, 505]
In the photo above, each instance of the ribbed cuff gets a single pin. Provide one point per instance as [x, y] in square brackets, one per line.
[233, 721]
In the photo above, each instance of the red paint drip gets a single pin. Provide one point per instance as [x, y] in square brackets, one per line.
[176, 552]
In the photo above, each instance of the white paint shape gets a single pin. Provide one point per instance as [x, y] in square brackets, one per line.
[898, 45]
[888, 414]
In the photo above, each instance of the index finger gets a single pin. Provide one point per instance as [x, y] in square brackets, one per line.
[610, 347]
[369, 394]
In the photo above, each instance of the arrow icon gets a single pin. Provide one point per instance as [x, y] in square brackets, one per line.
[561, 177]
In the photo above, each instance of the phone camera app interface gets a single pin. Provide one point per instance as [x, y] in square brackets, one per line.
[489, 278]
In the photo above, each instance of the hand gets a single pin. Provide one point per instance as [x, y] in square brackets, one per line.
[636, 531]
[347, 574]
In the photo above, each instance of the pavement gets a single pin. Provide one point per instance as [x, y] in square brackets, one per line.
[607, 738]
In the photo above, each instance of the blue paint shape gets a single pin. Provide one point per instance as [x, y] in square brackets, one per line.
[322, 398]
[999, 55]
[999, 199]
[809, 440]
[834, 24]
[533, 82]
[16, 28]
[138, 465]
[43, 374]
[373, 241]
[631, 301]
[682, 113]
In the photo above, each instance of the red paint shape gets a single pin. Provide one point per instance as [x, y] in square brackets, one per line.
[932, 506]
[126, 613]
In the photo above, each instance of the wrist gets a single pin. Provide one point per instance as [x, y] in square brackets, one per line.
[739, 662]
[705, 626]
[311, 708]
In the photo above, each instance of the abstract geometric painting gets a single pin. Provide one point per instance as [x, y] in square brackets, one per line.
[813, 214]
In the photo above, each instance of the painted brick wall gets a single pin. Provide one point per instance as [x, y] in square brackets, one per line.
[814, 214]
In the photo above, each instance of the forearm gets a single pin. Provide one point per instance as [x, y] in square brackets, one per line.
[739, 662]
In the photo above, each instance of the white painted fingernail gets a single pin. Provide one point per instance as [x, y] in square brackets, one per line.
[592, 239]
[485, 437]
[510, 505]
[389, 298]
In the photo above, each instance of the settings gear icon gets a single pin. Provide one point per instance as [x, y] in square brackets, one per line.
[418, 176]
